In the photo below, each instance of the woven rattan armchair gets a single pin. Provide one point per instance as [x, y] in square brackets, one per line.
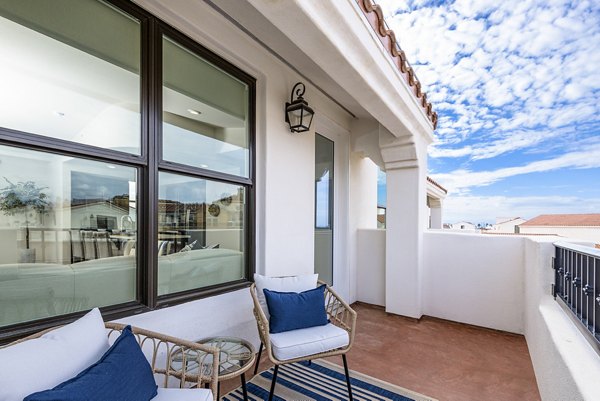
[338, 312]
[177, 361]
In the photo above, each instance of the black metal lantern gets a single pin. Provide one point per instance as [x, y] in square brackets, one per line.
[298, 114]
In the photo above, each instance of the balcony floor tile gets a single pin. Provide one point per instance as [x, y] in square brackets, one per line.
[445, 360]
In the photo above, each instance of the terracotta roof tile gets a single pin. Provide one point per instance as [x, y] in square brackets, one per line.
[431, 180]
[388, 38]
[580, 220]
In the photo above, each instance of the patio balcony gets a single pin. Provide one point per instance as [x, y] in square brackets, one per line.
[491, 328]
[441, 359]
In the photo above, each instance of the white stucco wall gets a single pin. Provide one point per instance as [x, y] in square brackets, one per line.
[566, 366]
[363, 213]
[284, 176]
[371, 266]
[466, 277]
[474, 279]
[228, 314]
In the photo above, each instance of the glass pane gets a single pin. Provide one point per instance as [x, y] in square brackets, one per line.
[201, 238]
[324, 208]
[205, 114]
[67, 235]
[70, 70]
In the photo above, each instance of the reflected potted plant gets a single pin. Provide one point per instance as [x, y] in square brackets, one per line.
[19, 199]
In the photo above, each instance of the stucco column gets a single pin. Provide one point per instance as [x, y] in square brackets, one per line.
[406, 168]
[436, 213]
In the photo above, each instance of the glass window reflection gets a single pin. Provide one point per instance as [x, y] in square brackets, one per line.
[205, 114]
[71, 75]
[67, 234]
[201, 233]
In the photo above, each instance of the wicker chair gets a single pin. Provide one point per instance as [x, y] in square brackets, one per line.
[338, 312]
[174, 359]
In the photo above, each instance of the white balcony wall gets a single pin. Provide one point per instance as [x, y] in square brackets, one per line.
[371, 266]
[566, 366]
[474, 279]
[363, 215]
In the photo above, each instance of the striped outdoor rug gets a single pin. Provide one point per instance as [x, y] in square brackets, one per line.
[321, 381]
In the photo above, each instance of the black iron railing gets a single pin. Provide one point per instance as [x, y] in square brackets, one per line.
[577, 283]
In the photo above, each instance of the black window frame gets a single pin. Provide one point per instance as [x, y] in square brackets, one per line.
[148, 164]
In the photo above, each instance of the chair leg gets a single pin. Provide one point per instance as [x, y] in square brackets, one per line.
[347, 377]
[244, 389]
[258, 358]
[273, 382]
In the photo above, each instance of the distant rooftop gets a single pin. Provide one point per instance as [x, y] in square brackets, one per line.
[578, 220]
[388, 38]
[502, 220]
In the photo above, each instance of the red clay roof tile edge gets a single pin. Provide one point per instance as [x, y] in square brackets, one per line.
[431, 180]
[388, 38]
[565, 220]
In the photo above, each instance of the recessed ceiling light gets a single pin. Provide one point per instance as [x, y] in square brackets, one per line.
[204, 166]
[59, 113]
[194, 112]
[110, 166]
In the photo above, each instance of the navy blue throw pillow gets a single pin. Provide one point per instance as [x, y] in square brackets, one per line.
[123, 373]
[296, 310]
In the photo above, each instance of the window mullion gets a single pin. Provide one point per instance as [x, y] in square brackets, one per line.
[153, 93]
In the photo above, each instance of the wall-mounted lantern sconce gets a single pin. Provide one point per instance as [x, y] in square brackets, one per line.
[298, 114]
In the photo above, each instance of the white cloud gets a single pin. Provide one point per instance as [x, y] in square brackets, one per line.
[445, 152]
[462, 180]
[507, 142]
[471, 8]
[508, 78]
[529, 64]
[484, 209]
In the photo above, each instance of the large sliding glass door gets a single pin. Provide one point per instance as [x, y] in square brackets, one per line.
[324, 198]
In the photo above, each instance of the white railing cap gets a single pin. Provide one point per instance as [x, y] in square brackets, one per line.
[588, 250]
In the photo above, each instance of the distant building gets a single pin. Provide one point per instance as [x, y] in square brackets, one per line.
[435, 198]
[578, 226]
[463, 225]
[507, 224]
[380, 216]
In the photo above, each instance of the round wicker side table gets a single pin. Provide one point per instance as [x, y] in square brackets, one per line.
[236, 357]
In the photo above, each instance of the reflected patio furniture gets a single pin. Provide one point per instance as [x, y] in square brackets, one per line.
[16, 303]
[103, 245]
[82, 284]
[178, 239]
[88, 245]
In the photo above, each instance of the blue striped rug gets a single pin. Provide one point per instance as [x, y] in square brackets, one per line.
[321, 381]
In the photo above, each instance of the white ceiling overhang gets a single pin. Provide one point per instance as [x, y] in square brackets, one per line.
[332, 44]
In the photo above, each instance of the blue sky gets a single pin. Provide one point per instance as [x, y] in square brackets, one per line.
[517, 86]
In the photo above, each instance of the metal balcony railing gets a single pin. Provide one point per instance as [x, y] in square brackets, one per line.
[577, 283]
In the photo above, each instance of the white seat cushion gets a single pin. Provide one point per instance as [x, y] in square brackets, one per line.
[282, 284]
[304, 342]
[183, 394]
[43, 363]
